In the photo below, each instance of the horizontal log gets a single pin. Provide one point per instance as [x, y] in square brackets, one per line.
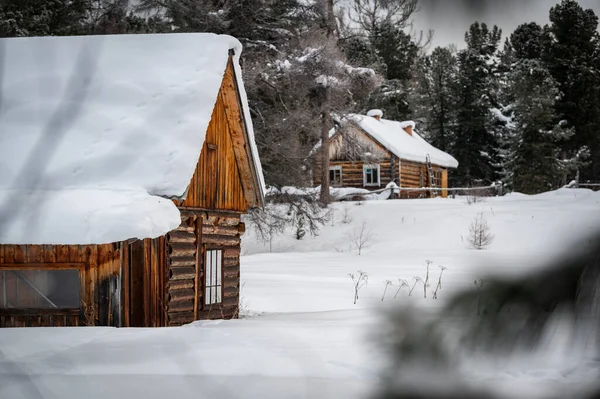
[231, 272]
[231, 282]
[220, 239]
[182, 249]
[181, 295]
[242, 227]
[231, 262]
[182, 261]
[181, 306]
[222, 219]
[229, 292]
[224, 312]
[231, 252]
[182, 236]
[186, 228]
[181, 317]
[220, 230]
[191, 213]
[181, 284]
[182, 273]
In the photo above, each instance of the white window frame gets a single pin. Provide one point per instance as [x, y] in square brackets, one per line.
[213, 277]
[336, 168]
[373, 166]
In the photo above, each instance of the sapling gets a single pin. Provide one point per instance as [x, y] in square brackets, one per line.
[480, 235]
[362, 237]
[439, 284]
[402, 283]
[359, 280]
[417, 280]
[387, 284]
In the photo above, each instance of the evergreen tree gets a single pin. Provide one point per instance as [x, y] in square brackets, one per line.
[476, 143]
[435, 97]
[571, 53]
[534, 164]
[43, 17]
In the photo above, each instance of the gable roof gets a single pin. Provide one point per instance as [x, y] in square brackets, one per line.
[393, 137]
[97, 132]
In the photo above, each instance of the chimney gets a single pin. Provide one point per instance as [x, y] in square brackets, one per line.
[408, 127]
[375, 113]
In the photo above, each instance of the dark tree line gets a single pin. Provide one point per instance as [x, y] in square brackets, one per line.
[527, 112]
[524, 110]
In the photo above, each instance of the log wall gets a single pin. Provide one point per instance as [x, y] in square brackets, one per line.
[187, 245]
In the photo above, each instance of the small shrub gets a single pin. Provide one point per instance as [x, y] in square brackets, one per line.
[362, 237]
[480, 235]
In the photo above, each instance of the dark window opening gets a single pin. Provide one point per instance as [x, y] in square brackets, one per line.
[371, 175]
[39, 289]
[335, 176]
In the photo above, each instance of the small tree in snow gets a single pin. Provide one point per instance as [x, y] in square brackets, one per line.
[359, 280]
[362, 237]
[480, 236]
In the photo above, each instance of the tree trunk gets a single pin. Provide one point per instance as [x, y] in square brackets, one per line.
[325, 127]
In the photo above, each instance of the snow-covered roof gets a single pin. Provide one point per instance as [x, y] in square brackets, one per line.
[391, 135]
[115, 123]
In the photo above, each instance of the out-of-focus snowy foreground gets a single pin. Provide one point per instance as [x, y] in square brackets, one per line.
[301, 335]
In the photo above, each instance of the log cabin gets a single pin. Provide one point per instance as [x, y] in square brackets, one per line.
[369, 152]
[126, 163]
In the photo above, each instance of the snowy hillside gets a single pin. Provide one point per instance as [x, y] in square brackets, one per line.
[406, 234]
[304, 337]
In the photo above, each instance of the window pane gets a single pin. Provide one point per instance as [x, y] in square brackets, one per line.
[213, 277]
[39, 289]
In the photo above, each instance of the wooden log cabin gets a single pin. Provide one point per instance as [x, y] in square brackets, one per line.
[122, 182]
[369, 152]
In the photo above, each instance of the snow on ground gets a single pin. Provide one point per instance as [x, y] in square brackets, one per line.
[303, 337]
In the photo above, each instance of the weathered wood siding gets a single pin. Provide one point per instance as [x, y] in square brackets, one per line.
[216, 181]
[201, 231]
[415, 175]
[98, 267]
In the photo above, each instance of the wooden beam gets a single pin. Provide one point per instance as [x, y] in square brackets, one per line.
[42, 266]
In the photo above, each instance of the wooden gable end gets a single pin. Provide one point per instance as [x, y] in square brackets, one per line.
[225, 178]
[353, 144]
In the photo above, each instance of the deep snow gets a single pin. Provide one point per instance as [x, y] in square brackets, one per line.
[126, 115]
[303, 337]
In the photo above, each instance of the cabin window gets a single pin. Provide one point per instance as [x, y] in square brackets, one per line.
[213, 276]
[437, 178]
[39, 289]
[371, 175]
[335, 176]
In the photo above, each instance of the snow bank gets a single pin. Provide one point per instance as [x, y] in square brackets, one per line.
[125, 113]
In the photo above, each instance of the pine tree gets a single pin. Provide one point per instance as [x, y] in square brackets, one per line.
[571, 47]
[435, 97]
[534, 164]
[43, 17]
[476, 144]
